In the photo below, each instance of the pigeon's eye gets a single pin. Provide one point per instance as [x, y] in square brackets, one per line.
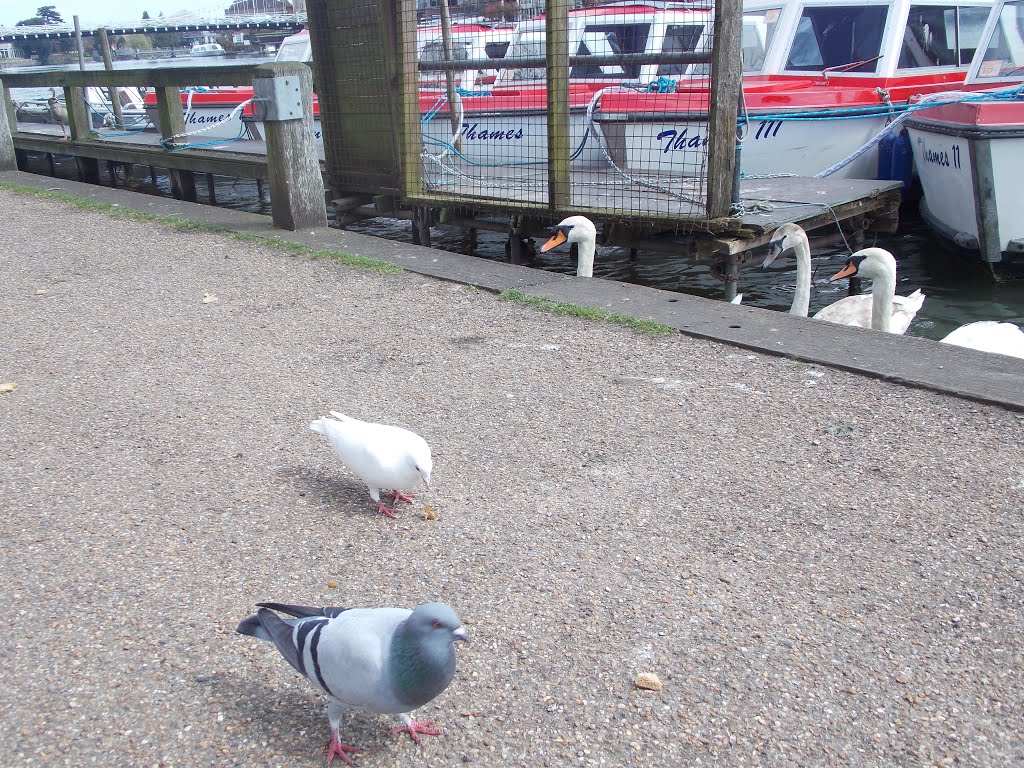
[436, 624]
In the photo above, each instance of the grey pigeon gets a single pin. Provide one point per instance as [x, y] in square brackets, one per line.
[386, 458]
[383, 660]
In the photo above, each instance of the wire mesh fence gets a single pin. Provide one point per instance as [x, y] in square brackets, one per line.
[602, 108]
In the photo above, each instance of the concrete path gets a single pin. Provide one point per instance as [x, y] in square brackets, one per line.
[822, 568]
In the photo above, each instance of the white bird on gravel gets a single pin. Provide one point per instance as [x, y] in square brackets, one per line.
[382, 660]
[386, 458]
[851, 310]
[579, 230]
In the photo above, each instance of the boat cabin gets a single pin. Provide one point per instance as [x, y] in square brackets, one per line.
[1002, 57]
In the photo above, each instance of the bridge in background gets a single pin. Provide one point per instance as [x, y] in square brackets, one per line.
[179, 22]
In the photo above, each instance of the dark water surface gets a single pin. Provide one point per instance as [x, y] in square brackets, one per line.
[958, 290]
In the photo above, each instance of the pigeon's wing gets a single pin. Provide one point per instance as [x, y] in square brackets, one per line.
[303, 611]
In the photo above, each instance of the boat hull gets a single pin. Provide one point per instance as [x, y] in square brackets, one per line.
[970, 159]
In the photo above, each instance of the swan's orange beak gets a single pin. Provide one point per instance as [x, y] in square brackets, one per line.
[847, 271]
[555, 240]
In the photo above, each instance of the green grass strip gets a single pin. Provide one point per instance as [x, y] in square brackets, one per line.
[186, 225]
[650, 327]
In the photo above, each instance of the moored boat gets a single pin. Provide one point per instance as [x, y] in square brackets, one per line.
[970, 155]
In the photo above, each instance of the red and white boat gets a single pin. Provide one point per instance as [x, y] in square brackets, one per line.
[821, 78]
[970, 155]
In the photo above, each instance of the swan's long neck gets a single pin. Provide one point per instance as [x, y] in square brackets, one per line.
[802, 296]
[585, 257]
[883, 288]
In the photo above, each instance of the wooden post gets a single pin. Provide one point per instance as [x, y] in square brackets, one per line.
[78, 40]
[211, 189]
[409, 132]
[79, 129]
[171, 122]
[557, 37]
[726, 82]
[732, 275]
[8, 160]
[108, 64]
[449, 75]
[293, 162]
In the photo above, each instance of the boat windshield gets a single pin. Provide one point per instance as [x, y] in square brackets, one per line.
[828, 37]
[294, 50]
[758, 31]
[611, 39]
[941, 36]
[1004, 53]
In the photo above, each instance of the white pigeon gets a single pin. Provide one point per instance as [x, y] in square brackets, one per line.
[382, 660]
[386, 458]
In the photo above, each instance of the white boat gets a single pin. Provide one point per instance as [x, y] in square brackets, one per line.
[207, 48]
[821, 78]
[970, 155]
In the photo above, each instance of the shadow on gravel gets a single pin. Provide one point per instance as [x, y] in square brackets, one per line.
[337, 491]
[293, 720]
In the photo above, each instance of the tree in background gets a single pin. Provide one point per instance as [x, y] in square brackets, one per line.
[145, 14]
[49, 15]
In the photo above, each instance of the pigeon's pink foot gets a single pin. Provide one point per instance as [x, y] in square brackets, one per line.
[399, 496]
[337, 747]
[387, 511]
[418, 727]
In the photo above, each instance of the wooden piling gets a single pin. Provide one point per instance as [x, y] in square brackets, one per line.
[8, 160]
[211, 189]
[171, 122]
[293, 163]
[557, 41]
[108, 64]
[449, 75]
[726, 82]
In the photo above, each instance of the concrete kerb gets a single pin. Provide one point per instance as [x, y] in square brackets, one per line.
[908, 360]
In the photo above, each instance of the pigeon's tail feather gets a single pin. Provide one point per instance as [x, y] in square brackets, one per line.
[303, 611]
[280, 633]
[341, 416]
[253, 627]
[318, 426]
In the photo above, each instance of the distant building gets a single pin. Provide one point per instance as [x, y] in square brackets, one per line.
[7, 51]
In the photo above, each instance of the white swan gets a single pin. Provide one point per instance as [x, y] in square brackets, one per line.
[851, 310]
[989, 336]
[887, 311]
[579, 230]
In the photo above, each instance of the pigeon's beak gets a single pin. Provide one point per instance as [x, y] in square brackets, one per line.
[460, 634]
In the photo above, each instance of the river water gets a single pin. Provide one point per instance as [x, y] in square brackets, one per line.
[958, 290]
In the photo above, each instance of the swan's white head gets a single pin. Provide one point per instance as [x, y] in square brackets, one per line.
[785, 238]
[575, 229]
[872, 263]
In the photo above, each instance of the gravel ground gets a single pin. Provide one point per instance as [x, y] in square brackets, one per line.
[822, 569]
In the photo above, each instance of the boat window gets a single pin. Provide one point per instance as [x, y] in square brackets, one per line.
[941, 36]
[758, 30]
[496, 50]
[609, 39]
[434, 51]
[1004, 54]
[831, 37]
[534, 47]
[680, 38]
[295, 51]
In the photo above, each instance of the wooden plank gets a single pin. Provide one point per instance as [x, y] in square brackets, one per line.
[726, 81]
[235, 74]
[557, 40]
